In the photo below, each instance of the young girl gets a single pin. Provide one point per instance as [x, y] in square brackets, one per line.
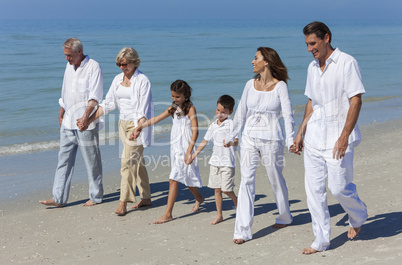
[182, 139]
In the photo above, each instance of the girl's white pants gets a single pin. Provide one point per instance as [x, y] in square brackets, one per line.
[318, 166]
[271, 155]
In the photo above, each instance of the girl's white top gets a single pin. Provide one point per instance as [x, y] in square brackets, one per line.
[180, 138]
[138, 105]
[259, 113]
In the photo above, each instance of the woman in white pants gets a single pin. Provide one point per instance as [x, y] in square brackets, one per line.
[263, 99]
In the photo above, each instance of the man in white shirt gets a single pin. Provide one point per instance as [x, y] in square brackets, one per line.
[329, 134]
[82, 90]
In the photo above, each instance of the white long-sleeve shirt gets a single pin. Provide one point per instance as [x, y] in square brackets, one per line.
[259, 112]
[80, 86]
[141, 103]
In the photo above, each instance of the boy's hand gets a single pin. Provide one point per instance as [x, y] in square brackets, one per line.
[229, 144]
[188, 159]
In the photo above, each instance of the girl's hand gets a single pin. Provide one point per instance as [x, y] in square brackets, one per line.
[188, 159]
[135, 134]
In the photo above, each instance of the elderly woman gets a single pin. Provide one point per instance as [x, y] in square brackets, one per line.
[130, 92]
[263, 99]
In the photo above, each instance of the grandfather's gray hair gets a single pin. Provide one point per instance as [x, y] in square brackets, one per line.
[74, 44]
[130, 55]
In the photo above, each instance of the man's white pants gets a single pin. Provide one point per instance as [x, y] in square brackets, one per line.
[271, 153]
[318, 166]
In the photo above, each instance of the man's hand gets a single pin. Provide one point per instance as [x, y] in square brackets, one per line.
[61, 115]
[297, 146]
[340, 148]
[83, 123]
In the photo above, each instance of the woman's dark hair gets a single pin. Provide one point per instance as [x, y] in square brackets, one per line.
[276, 66]
[181, 87]
[319, 29]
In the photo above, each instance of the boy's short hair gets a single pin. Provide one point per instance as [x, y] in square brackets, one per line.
[227, 102]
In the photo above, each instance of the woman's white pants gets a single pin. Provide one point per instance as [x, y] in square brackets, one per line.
[271, 155]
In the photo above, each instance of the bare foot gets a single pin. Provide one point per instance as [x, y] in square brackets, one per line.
[238, 241]
[279, 226]
[89, 203]
[163, 219]
[122, 209]
[50, 202]
[309, 251]
[353, 232]
[197, 204]
[216, 221]
[142, 203]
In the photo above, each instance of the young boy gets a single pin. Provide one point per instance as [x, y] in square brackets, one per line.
[223, 160]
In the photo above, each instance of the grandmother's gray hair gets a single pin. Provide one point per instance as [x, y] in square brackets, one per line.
[130, 55]
[74, 44]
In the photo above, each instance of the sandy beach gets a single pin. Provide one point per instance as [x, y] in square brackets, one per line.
[35, 234]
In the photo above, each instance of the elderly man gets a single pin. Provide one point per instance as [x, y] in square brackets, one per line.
[329, 133]
[82, 90]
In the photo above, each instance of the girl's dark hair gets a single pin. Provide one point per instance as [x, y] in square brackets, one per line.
[276, 66]
[181, 87]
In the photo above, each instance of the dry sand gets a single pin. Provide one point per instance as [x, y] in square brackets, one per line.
[35, 234]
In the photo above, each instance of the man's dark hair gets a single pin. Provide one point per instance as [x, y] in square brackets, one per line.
[227, 102]
[319, 28]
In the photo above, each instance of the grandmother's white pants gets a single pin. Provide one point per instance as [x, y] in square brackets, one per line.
[271, 153]
[318, 166]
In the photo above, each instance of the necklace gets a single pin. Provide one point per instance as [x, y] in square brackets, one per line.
[126, 82]
[268, 86]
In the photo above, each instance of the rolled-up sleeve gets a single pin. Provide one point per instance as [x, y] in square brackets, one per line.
[96, 85]
[110, 103]
[145, 99]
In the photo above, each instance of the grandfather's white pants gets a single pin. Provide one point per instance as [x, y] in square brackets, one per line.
[318, 166]
[271, 153]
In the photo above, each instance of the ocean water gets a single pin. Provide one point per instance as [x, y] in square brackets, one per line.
[214, 57]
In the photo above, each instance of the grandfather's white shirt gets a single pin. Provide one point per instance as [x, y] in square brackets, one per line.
[221, 156]
[330, 91]
[80, 86]
[139, 105]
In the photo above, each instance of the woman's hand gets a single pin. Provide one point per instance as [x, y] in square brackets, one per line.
[297, 146]
[229, 144]
[135, 134]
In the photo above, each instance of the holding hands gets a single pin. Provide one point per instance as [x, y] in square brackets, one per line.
[83, 123]
[297, 146]
[136, 133]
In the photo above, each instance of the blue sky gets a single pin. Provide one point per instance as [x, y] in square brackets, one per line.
[201, 9]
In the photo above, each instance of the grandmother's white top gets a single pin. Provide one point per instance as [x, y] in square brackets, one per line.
[140, 100]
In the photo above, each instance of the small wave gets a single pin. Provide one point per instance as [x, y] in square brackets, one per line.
[28, 147]
[104, 137]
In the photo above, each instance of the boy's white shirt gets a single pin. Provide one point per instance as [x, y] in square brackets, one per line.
[221, 156]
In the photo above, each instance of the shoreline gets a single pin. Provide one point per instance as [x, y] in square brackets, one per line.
[375, 109]
[33, 234]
